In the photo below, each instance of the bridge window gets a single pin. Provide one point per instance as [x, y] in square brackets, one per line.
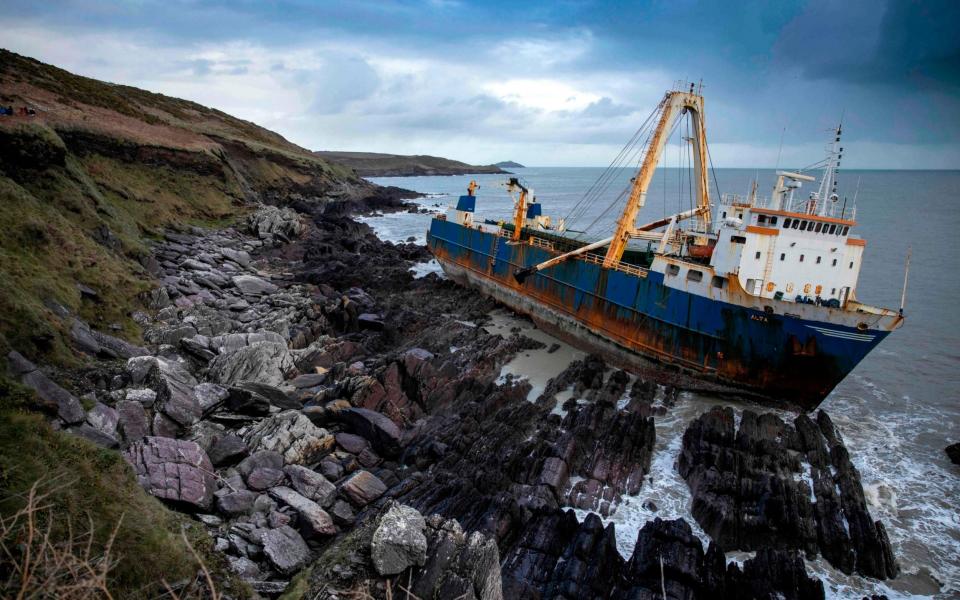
[773, 220]
[693, 275]
[819, 226]
[738, 239]
[718, 282]
[761, 220]
[786, 223]
[673, 270]
[757, 256]
[845, 229]
[796, 223]
[833, 229]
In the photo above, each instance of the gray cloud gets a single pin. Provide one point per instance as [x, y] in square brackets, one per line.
[606, 107]
[340, 81]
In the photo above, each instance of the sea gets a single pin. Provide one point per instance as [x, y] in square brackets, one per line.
[897, 410]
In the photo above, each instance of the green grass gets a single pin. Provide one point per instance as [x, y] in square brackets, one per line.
[101, 486]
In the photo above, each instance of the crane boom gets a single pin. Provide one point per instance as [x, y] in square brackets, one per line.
[671, 107]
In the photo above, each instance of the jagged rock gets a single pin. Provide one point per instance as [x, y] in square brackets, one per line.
[240, 257]
[236, 503]
[132, 421]
[92, 434]
[246, 402]
[265, 362]
[144, 396]
[285, 549]
[354, 444]
[380, 430]
[399, 541]
[264, 459]
[311, 484]
[175, 470]
[308, 380]
[342, 513]
[164, 426]
[226, 344]
[772, 574]
[175, 392]
[210, 396]
[274, 395]
[458, 565]
[101, 344]
[104, 419]
[139, 368]
[243, 566]
[291, 434]
[263, 479]
[313, 520]
[198, 347]
[953, 453]
[226, 450]
[251, 285]
[751, 489]
[53, 398]
[362, 488]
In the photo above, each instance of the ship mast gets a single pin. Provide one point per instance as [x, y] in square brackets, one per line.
[673, 105]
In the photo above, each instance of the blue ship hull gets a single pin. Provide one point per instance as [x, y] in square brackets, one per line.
[628, 318]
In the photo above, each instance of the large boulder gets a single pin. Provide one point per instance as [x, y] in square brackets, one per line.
[174, 470]
[312, 519]
[101, 344]
[175, 396]
[311, 484]
[362, 488]
[251, 285]
[52, 397]
[104, 419]
[291, 434]
[264, 362]
[953, 453]
[379, 429]
[285, 549]
[399, 541]
[132, 421]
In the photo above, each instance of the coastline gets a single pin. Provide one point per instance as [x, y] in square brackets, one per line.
[335, 341]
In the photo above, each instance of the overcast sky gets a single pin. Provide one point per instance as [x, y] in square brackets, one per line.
[551, 84]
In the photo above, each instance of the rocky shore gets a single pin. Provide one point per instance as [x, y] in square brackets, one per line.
[342, 430]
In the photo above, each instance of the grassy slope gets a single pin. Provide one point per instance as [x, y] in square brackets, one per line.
[373, 164]
[103, 158]
[97, 486]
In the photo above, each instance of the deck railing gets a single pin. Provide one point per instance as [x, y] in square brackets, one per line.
[591, 257]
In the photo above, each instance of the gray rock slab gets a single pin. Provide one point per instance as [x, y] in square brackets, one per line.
[313, 520]
[285, 549]
[251, 285]
[311, 484]
[399, 542]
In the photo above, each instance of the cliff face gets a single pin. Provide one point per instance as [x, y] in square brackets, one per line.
[99, 169]
[374, 164]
